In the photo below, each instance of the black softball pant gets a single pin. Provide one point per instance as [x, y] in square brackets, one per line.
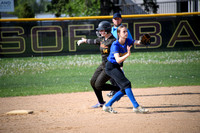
[98, 83]
[114, 71]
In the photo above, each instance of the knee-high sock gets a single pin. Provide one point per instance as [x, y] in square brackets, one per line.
[116, 97]
[130, 95]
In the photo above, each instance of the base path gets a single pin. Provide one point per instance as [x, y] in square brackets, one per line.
[172, 109]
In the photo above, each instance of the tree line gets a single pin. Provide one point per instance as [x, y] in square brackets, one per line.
[72, 8]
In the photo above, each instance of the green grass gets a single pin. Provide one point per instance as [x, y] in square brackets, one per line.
[66, 74]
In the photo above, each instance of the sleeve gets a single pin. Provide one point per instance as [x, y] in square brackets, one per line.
[94, 41]
[130, 42]
[114, 48]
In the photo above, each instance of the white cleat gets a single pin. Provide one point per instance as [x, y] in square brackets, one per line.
[140, 110]
[109, 109]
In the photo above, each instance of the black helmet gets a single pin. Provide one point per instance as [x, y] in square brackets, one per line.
[104, 25]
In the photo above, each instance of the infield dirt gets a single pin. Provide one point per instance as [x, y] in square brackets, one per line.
[172, 110]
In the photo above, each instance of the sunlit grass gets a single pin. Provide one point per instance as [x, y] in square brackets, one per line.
[165, 57]
[18, 66]
[64, 74]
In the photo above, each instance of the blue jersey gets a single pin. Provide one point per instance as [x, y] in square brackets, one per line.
[114, 32]
[116, 47]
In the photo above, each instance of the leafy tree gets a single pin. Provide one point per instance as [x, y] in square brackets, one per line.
[74, 7]
[21, 6]
[34, 5]
[26, 11]
[57, 7]
[150, 6]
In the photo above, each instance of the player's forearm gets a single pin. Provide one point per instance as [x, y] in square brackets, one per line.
[91, 41]
[137, 42]
[122, 58]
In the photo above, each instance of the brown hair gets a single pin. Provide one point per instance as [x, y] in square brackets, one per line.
[119, 29]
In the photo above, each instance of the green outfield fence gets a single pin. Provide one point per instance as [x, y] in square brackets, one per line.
[58, 36]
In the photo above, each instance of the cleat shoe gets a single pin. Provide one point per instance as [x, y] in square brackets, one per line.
[140, 110]
[109, 109]
[111, 94]
[98, 105]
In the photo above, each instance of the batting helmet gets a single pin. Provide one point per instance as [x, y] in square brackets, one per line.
[104, 25]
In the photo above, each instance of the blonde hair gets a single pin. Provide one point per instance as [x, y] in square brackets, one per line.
[119, 29]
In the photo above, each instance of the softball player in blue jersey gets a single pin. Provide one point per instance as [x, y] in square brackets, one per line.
[120, 50]
[117, 21]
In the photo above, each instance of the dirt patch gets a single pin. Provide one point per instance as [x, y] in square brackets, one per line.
[172, 109]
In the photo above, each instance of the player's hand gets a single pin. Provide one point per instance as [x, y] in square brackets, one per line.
[83, 40]
[129, 49]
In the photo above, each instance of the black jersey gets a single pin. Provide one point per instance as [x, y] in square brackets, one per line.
[104, 46]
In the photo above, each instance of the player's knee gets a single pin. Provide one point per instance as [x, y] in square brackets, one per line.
[123, 91]
[98, 86]
[92, 83]
[127, 84]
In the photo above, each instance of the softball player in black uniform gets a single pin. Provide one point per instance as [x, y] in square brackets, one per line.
[99, 78]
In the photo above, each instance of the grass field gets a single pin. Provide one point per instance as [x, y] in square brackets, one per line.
[65, 74]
